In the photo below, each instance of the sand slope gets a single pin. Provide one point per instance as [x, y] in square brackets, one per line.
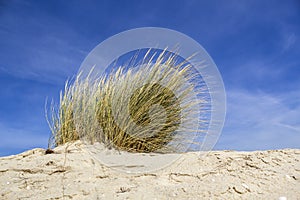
[218, 175]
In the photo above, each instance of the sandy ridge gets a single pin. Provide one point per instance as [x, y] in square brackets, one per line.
[72, 173]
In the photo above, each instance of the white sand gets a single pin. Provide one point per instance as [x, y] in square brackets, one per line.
[218, 175]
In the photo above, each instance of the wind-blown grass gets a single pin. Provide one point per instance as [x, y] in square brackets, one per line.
[151, 107]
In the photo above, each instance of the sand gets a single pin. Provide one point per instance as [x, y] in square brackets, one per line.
[71, 172]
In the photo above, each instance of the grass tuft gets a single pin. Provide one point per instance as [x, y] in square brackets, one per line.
[152, 107]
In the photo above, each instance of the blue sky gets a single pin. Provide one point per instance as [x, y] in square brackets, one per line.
[255, 44]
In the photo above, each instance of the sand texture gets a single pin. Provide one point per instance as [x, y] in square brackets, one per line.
[73, 173]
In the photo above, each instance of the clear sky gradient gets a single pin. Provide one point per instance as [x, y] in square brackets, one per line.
[255, 44]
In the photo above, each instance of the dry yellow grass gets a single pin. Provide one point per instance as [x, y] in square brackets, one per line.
[147, 108]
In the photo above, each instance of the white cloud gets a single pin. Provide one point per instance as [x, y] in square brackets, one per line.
[288, 41]
[43, 48]
[257, 120]
[20, 139]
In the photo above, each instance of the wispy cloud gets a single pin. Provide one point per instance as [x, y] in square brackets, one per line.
[38, 46]
[257, 120]
[289, 40]
[15, 139]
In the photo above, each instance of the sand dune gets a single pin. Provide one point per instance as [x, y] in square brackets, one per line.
[72, 173]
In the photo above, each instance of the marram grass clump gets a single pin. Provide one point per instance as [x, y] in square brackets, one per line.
[151, 107]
